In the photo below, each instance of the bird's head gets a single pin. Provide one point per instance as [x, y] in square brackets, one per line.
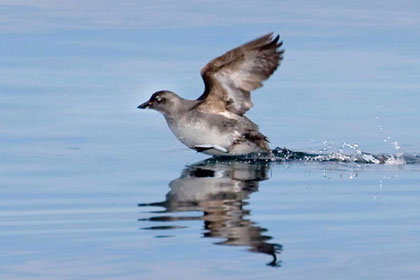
[163, 101]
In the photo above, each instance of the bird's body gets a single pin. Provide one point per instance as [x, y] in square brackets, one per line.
[214, 123]
[214, 134]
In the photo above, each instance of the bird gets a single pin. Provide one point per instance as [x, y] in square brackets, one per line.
[215, 123]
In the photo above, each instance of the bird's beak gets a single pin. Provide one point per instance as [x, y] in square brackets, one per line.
[145, 105]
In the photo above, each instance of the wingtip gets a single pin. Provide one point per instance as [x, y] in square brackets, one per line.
[278, 44]
[270, 37]
[270, 42]
[277, 41]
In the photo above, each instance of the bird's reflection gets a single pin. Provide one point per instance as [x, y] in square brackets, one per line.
[218, 189]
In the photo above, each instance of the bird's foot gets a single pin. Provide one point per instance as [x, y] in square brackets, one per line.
[205, 147]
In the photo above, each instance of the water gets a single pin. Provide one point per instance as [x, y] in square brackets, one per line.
[304, 218]
[291, 218]
[358, 156]
[91, 187]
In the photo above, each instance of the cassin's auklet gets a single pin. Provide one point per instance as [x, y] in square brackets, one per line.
[215, 123]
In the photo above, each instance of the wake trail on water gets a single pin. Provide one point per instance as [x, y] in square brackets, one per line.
[357, 156]
[281, 154]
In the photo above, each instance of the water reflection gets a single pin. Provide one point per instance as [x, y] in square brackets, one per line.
[219, 189]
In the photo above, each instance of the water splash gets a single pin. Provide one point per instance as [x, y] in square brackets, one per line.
[347, 153]
[398, 158]
[357, 156]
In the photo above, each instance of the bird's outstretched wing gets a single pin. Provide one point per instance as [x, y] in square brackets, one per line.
[230, 78]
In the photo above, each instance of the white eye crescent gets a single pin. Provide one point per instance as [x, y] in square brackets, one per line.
[158, 99]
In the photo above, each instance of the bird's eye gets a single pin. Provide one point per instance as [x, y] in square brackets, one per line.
[158, 99]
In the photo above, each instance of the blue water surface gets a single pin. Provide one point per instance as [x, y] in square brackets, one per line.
[93, 188]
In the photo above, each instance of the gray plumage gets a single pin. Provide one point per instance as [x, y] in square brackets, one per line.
[215, 122]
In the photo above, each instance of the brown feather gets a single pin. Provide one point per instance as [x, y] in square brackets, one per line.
[230, 78]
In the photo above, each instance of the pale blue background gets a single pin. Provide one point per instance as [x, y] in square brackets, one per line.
[76, 156]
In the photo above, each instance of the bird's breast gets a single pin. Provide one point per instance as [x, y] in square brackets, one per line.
[193, 132]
